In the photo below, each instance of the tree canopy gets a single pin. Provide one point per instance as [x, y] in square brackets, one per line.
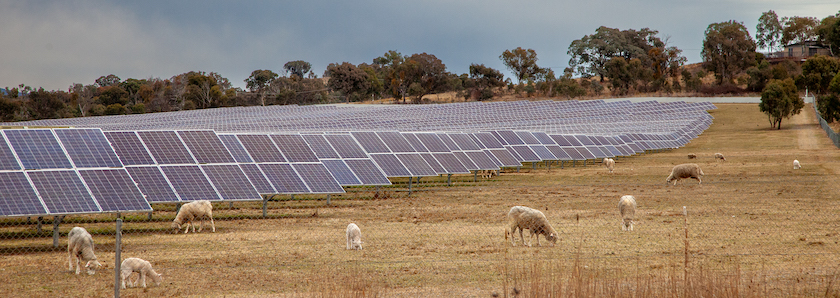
[521, 62]
[727, 50]
[298, 68]
[779, 100]
[768, 32]
[349, 79]
[590, 54]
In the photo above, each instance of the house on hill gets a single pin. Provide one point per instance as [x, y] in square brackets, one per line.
[800, 50]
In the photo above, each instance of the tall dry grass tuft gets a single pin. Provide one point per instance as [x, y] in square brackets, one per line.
[353, 283]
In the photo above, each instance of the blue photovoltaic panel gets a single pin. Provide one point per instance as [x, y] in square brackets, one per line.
[294, 148]
[261, 148]
[433, 163]
[7, 158]
[235, 148]
[481, 160]
[613, 150]
[525, 153]
[395, 141]
[432, 142]
[510, 137]
[543, 138]
[346, 146]
[573, 153]
[206, 146]
[585, 140]
[284, 178]
[415, 142]
[129, 148]
[114, 190]
[318, 178]
[493, 158]
[416, 165]
[558, 152]
[166, 147]
[465, 160]
[505, 157]
[488, 140]
[451, 163]
[464, 141]
[561, 140]
[499, 137]
[542, 152]
[367, 172]
[88, 148]
[257, 178]
[597, 152]
[17, 197]
[37, 149]
[390, 165]
[153, 184]
[370, 142]
[585, 152]
[190, 183]
[231, 182]
[320, 146]
[63, 192]
[341, 172]
[527, 137]
[450, 144]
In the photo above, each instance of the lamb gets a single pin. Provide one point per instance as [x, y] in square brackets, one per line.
[719, 156]
[80, 248]
[143, 269]
[354, 237]
[692, 156]
[192, 211]
[627, 209]
[683, 171]
[609, 163]
[796, 165]
[526, 218]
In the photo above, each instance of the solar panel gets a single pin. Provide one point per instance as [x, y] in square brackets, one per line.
[231, 182]
[63, 192]
[320, 146]
[367, 172]
[432, 142]
[561, 140]
[114, 190]
[585, 152]
[542, 152]
[390, 165]
[543, 138]
[341, 172]
[464, 141]
[370, 142]
[318, 178]
[206, 146]
[558, 152]
[395, 141]
[294, 148]
[525, 153]
[450, 144]
[190, 183]
[510, 137]
[416, 165]
[7, 157]
[88, 148]
[573, 153]
[465, 160]
[17, 197]
[153, 184]
[481, 160]
[129, 148]
[166, 147]
[37, 149]
[415, 142]
[436, 166]
[235, 148]
[488, 140]
[527, 137]
[261, 148]
[258, 180]
[346, 146]
[505, 157]
[451, 163]
[284, 178]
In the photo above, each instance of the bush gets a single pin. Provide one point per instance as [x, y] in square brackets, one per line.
[115, 109]
[723, 89]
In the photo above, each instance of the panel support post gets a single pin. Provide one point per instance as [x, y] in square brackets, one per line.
[328, 199]
[56, 222]
[475, 176]
[117, 257]
[409, 185]
[264, 205]
[449, 179]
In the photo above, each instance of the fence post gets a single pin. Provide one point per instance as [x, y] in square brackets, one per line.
[56, 222]
[117, 263]
[685, 266]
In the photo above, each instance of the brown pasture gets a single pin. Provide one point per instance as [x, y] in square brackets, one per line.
[755, 227]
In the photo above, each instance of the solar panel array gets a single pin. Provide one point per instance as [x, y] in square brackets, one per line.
[240, 153]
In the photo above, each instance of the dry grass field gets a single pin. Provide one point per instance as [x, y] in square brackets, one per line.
[755, 227]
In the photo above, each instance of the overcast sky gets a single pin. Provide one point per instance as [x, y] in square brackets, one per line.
[53, 44]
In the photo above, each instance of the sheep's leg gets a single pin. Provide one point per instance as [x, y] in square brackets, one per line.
[212, 224]
[142, 278]
[123, 275]
[201, 222]
[70, 259]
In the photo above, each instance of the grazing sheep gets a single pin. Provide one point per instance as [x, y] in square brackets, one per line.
[80, 248]
[489, 173]
[526, 218]
[609, 163]
[719, 156]
[354, 237]
[692, 156]
[192, 211]
[796, 165]
[143, 269]
[627, 209]
[684, 171]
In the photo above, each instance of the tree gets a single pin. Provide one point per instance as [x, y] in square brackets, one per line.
[779, 100]
[428, 74]
[298, 68]
[45, 104]
[202, 89]
[348, 79]
[799, 29]
[829, 33]
[111, 95]
[107, 81]
[84, 96]
[259, 80]
[483, 79]
[522, 62]
[768, 32]
[132, 86]
[727, 49]
[590, 54]
[817, 73]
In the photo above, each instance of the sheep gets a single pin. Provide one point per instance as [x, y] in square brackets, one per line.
[192, 211]
[692, 156]
[489, 173]
[143, 269]
[796, 165]
[719, 156]
[354, 237]
[609, 163]
[683, 171]
[80, 249]
[627, 209]
[526, 218]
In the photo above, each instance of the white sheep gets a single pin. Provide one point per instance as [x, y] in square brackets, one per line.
[192, 211]
[627, 209]
[354, 237]
[719, 156]
[692, 156]
[80, 249]
[489, 173]
[143, 269]
[796, 165]
[526, 218]
[609, 163]
[684, 171]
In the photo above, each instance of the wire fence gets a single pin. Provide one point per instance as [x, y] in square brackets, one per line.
[828, 130]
